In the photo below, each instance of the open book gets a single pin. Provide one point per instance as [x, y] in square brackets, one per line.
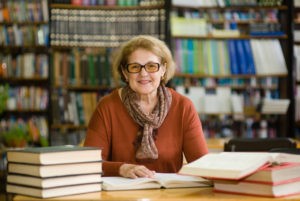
[161, 180]
[234, 165]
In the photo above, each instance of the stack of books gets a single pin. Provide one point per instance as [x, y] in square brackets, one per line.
[246, 173]
[45, 172]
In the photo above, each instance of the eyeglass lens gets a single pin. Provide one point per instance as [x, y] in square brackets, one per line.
[136, 67]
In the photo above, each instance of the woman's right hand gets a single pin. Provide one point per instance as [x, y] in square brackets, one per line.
[135, 171]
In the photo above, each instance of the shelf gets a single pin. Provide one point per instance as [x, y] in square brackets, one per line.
[104, 7]
[18, 80]
[185, 75]
[232, 37]
[240, 22]
[243, 87]
[24, 48]
[68, 127]
[23, 23]
[246, 8]
[83, 88]
[26, 111]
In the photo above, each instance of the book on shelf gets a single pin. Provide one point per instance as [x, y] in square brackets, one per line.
[258, 189]
[275, 106]
[72, 31]
[54, 155]
[56, 169]
[225, 33]
[51, 182]
[235, 57]
[234, 165]
[271, 61]
[160, 180]
[53, 192]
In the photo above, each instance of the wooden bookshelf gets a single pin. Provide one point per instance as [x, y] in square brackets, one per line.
[213, 17]
[105, 33]
[24, 54]
[296, 47]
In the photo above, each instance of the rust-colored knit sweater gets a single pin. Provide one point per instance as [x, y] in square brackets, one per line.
[112, 129]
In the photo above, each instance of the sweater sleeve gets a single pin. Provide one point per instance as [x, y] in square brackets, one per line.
[98, 135]
[109, 168]
[194, 143]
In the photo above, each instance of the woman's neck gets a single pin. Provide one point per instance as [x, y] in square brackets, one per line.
[148, 103]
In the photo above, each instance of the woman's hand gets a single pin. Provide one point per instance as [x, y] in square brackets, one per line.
[135, 171]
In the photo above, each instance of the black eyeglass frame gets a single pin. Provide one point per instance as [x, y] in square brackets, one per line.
[143, 66]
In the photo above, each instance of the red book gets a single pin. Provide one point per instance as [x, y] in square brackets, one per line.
[276, 174]
[234, 165]
[257, 189]
[273, 181]
[77, 2]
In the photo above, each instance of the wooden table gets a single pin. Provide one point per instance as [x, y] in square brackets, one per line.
[180, 194]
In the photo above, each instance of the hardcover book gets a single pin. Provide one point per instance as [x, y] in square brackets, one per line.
[55, 170]
[258, 189]
[276, 174]
[234, 165]
[54, 155]
[50, 182]
[53, 192]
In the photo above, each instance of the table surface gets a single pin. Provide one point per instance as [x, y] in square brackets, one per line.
[163, 194]
[181, 194]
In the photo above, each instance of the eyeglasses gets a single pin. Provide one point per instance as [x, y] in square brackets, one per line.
[136, 67]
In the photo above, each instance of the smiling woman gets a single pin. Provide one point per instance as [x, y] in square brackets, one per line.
[145, 127]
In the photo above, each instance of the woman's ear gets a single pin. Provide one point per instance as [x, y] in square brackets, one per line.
[164, 69]
[125, 75]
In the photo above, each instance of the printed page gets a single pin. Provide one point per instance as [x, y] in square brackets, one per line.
[173, 180]
[122, 183]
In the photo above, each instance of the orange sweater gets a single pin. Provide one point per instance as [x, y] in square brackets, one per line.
[112, 129]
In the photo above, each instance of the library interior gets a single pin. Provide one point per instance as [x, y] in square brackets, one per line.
[237, 61]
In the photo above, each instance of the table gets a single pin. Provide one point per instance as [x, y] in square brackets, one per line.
[179, 194]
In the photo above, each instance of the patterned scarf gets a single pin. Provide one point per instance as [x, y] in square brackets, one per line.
[145, 145]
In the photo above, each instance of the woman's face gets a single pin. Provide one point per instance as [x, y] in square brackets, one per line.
[143, 82]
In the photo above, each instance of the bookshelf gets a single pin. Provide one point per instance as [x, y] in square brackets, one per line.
[24, 77]
[215, 29]
[77, 39]
[83, 38]
[296, 45]
[24, 71]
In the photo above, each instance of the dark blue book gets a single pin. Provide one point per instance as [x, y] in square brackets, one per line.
[249, 57]
[241, 57]
[232, 56]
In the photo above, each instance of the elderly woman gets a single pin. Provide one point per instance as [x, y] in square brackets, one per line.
[145, 127]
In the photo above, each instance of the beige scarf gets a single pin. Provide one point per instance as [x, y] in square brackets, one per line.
[145, 145]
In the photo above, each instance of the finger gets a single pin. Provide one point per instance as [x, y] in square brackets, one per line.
[143, 172]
